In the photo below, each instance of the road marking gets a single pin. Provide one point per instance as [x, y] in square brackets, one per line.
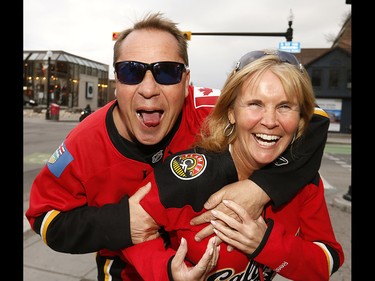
[338, 161]
[36, 158]
[338, 148]
[327, 185]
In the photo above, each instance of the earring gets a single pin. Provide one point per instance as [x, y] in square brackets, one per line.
[294, 138]
[230, 127]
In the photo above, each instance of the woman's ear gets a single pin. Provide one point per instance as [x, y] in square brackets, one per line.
[231, 117]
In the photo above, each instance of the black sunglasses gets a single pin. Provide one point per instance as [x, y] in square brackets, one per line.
[164, 72]
[254, 55]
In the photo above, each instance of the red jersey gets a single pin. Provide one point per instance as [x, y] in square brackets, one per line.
[299, 243]
[79, 200]
[91, 168]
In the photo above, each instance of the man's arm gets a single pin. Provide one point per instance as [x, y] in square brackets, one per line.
[86, 229]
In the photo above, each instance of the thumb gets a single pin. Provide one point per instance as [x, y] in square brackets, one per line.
[260, 220]
[141, 192]
[214, 200]
[181, 252]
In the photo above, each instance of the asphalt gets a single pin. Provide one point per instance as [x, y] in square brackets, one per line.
[40, 263]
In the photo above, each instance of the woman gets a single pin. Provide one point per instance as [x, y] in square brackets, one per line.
[264, 108]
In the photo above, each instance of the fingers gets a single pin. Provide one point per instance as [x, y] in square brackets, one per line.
[214, 199]
[141, 192]
[205, 232]
[241, 212]
[181, 253]
[209, 258]
[221, 218]
[205, 217]
[152, 236]
[142, 226]
[229, 235]
[209, 216]
[200, 271]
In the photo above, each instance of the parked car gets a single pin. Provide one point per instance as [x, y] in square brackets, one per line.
[27, 101]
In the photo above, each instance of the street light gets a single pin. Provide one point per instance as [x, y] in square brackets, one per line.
[49, 54]
[289, 31]
[288, 34]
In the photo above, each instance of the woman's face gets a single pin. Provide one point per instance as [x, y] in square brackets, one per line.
[265, 120]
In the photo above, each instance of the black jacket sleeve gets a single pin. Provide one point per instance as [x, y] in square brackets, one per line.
[88, 229]
[303, 157]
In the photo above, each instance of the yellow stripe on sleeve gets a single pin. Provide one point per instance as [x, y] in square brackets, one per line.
[328, 256]
[321, 112]
[46, 221]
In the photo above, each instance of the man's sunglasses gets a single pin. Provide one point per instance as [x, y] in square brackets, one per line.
[164, 72]
[252, 56]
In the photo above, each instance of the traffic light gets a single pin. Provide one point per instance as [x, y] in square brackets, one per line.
[187, 34]
[115, 35]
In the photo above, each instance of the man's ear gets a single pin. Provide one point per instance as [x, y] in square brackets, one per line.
[187, 82]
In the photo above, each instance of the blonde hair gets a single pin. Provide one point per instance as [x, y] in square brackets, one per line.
[296, 83]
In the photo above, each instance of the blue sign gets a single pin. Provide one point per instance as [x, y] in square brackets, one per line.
[290, 46]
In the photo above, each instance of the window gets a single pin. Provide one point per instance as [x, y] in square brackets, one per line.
[349, 79]
[316, 77]
[333, 79]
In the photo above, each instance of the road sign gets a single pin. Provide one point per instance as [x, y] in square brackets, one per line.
[290, 46]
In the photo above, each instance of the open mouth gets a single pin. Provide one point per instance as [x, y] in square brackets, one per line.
[267, 140]
[150, 118]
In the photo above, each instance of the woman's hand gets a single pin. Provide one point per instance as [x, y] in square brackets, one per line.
[182, 272]
[245, 234]
[245, 193]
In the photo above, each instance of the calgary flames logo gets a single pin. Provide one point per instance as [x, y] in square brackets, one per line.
[188, 166]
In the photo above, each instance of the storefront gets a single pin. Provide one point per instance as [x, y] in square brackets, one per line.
[74, 81]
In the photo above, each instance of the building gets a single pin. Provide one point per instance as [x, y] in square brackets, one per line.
[74, 81]
[330, 70]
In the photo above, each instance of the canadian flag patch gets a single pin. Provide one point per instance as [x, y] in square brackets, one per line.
[205, 97]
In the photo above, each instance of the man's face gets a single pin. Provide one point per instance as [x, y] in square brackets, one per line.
[148, 110]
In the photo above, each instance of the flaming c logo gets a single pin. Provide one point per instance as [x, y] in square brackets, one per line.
[188, 166]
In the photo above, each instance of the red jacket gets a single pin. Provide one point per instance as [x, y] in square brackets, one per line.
[79, 200]
[299, 243]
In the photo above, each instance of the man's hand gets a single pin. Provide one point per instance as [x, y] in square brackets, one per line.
[245, 193]
[245, 235]
[181, 272]
[142, 225]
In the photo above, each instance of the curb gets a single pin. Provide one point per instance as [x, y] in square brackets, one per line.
[26, 225]
[341, 203]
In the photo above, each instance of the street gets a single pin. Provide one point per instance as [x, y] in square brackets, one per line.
[42, 137]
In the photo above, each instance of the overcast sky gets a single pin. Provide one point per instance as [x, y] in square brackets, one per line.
[84, 27]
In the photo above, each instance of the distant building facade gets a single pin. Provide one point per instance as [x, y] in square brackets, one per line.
[74, 81]
[330, 70]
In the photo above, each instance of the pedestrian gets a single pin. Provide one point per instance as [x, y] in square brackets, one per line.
[264, 108]
[86, 198]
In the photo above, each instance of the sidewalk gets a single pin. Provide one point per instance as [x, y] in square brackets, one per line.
[43, 264]
[64, 114]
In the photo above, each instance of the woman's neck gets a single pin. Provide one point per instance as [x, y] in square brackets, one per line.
[243, 165]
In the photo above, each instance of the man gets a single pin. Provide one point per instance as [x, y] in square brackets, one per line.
[79, 202]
